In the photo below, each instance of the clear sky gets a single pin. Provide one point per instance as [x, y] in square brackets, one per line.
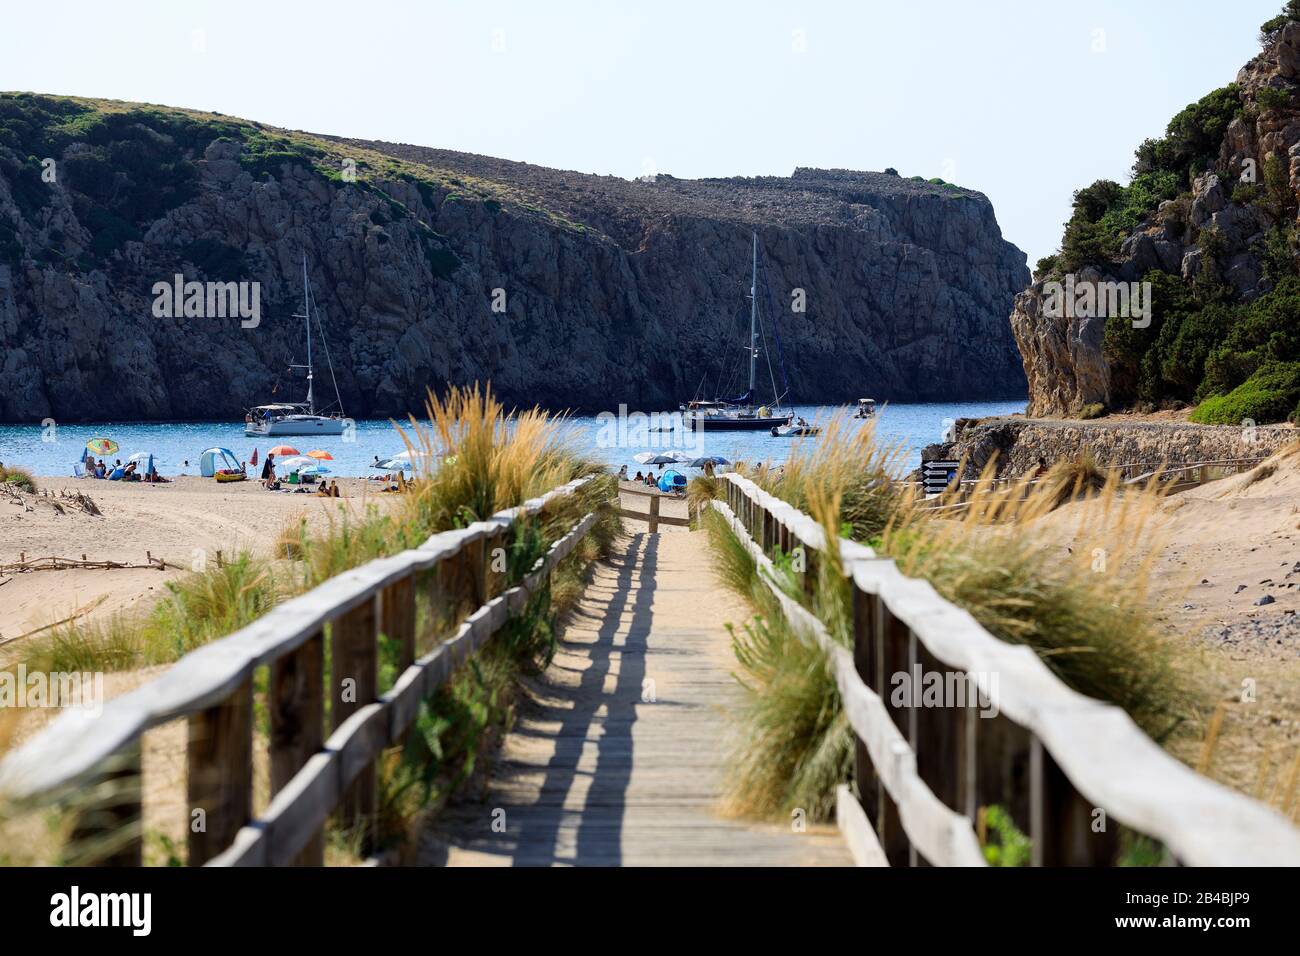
[1025, 100]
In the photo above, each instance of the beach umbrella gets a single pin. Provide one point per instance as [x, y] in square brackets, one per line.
[102, 446]
[660, 458]
[143, 456]
[253, 461]
[297, 463]
[283, 450]
[314, 470]
[714, 460]
[320, 455]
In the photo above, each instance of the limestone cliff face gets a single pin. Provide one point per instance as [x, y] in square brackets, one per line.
[613, 291]
[1213, 224]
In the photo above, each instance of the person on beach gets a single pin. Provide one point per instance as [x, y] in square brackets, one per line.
[268, 471]
[622, 473]
[639, 476]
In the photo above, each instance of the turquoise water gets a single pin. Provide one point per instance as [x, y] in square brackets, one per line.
[52, 450]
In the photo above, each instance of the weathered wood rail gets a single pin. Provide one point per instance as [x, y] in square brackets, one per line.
[1069, 769]
[312, 775]
[652, 517]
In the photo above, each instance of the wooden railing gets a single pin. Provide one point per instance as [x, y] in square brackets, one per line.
[653, 517]
[1069, 769]
[97, 758]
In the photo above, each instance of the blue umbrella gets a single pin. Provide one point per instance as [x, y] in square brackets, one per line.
[714, 460]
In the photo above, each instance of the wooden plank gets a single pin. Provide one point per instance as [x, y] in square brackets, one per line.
[660, 519]
[220, 774]
[856, 829]
[397, 603]
[296, 701]
[353, 666]
[654, 515]
[107, 830]
[600, 771]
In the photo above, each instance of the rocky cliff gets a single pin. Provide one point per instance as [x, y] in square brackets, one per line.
[431, 267]
[1209, 219]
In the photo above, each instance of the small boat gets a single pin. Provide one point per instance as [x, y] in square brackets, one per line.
[297, 418]
[797, 429]
[866, 408]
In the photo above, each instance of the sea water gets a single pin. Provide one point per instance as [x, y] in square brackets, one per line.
[52, 449]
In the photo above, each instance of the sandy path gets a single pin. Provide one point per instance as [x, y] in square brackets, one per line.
[187, 520]
[618, 754]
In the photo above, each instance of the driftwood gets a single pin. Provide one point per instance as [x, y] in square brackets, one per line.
[55, 563]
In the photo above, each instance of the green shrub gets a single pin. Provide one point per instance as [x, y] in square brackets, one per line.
[1269, 395]
[1273, 99]
[17, 478]
[1092, 410]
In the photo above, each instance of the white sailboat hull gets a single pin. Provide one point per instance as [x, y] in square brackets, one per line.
[296, 425]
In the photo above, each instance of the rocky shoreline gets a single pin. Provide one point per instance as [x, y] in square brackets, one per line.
[1017, 443]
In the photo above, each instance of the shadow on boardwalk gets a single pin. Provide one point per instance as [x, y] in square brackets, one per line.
[616, 758]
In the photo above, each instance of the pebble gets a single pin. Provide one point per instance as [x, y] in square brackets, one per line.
[1266, 599]
[1240, 588]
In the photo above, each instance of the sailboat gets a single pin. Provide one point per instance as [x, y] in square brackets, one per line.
[740, 414]
[298, 418]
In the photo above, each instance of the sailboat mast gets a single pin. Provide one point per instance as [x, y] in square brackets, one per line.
[753, 323]
[306, 312]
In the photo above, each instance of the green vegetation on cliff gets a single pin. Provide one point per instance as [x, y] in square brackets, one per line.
[1228, 343]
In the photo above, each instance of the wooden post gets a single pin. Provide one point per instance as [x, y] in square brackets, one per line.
[398, 603]
[353, 663]
[494, 580]
[107, 831]
[220, 778]
[864, 659]
[810, 564]
[296, 700]
[1002, 771]
[1066, 829]
[654, 514]
[475, 556]
[940, 733]
[891, 658]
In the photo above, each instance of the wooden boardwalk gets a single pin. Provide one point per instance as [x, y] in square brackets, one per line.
[617, 756]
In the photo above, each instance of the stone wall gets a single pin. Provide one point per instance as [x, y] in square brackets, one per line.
[1018, 443]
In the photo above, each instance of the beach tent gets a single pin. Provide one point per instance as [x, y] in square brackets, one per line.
[216, 459]
[672, 480]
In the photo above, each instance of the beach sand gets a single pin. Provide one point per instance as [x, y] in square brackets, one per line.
[186, 520]
[1222, 547]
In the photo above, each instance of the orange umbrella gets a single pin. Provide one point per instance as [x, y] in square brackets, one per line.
[283, 450]
[320, 455]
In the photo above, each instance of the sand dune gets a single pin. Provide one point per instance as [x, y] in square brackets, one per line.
[182, 522]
